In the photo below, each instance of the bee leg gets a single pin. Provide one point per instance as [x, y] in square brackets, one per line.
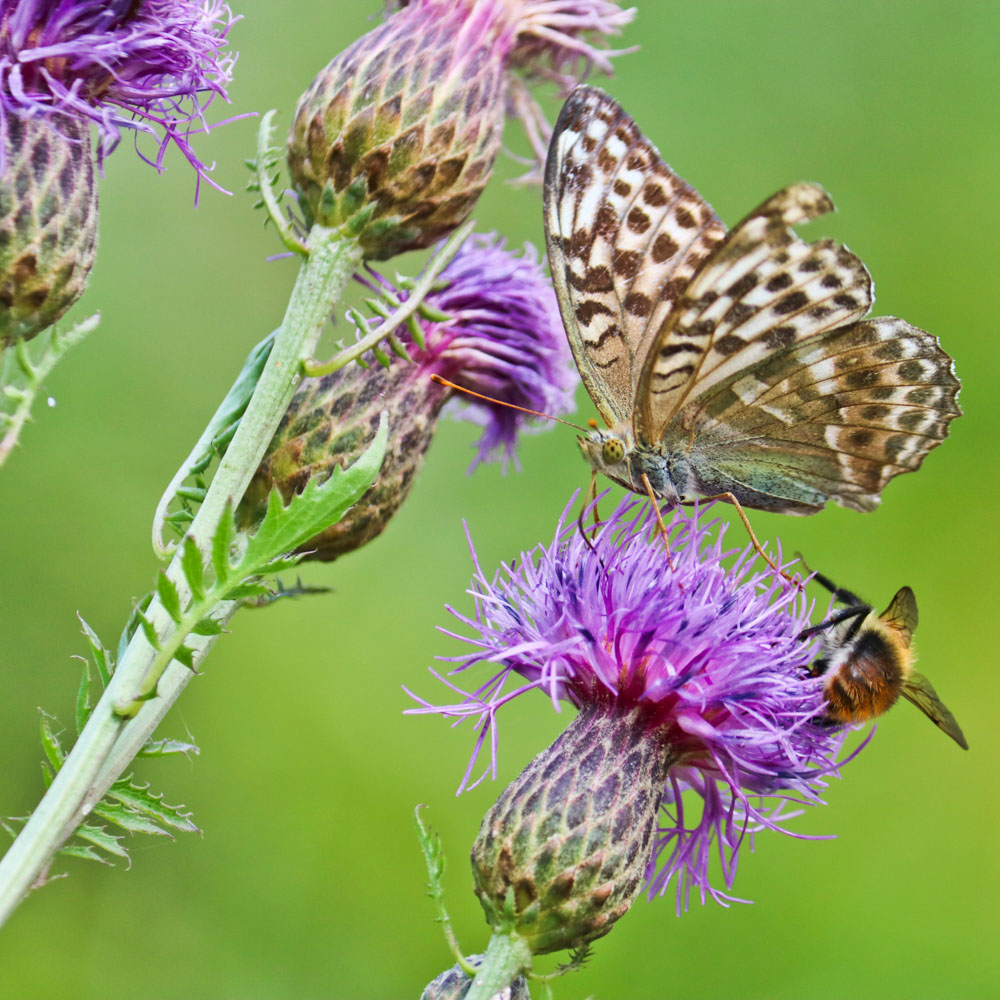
[839, 593]
[859, 612]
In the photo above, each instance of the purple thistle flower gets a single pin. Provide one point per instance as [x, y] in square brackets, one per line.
[703, 661]
[504, 340]
[153, 66]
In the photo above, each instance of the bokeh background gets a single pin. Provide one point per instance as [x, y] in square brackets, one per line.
[308, 881]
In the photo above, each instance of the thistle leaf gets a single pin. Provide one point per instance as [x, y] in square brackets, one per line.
[166, 747]
[208, 626]
[131, 822]
[99, 837]
[132, 625]
[317, 507]
[140, 800]
[84, 852]
[83, 705]
[194, 568]
[248, 590]
[222, 542]
[104, 666]
[169, 597]
[50, 743]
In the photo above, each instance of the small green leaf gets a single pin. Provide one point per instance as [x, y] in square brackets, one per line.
[166, 747]
[193, 566]
[83, 705]
[208, 626]
[222, 542]
[318, 506]
[194, 493]
[99, 653]
[248, 590]
[169, 597]
[185, 656]
[100, 837]
[132, 625]
[50, 742]
[128, 820]
[141, 800]
[147, 627]
[83, 851]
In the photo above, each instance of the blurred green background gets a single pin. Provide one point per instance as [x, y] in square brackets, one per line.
[308, 881]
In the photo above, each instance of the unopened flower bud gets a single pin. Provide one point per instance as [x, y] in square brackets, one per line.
[571, 836]
[48, 221]
[454, 985]
[504, 340]
[395, 139]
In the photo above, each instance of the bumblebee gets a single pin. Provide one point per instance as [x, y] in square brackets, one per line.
[867, 661]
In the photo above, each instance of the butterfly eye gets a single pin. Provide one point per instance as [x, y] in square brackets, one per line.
[613, 451]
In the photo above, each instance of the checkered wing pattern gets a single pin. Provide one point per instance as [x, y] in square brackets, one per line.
[625, 235]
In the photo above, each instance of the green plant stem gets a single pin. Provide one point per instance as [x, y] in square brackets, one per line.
[507, 956]
[34, 374]
[84, 778]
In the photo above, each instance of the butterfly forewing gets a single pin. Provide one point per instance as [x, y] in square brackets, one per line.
[762, 289]
[625, 235]
[832, 418]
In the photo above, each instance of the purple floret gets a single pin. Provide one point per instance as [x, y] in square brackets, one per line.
[505, 340]
[153, 66]
[710, 648]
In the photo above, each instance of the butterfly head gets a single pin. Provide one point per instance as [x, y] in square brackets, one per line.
[608, 452]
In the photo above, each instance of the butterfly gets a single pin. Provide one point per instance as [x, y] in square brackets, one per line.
[727, 363]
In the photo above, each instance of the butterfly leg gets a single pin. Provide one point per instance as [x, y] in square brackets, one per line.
[753, 538]
[659, 518]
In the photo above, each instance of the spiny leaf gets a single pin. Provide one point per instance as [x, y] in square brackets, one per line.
[132, 822]
[83, 705]
[430, 844]
[193, 567]
[141, 800]
[132, 625]
[50, 742]
[317, 507]
[85, 852]
[222, 542]
[248, 590]
[99, 653]
[169, 597]
[166, 747]
[99, 837]
[208, 626]
[185, 655]
[147, 627]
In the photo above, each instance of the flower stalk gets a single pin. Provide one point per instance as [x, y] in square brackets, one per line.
[134, 691]
[507, 956]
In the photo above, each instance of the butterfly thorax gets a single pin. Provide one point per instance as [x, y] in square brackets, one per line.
[615, 453]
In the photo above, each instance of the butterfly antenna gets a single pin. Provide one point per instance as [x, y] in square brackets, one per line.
[753, 538]
[500, 402]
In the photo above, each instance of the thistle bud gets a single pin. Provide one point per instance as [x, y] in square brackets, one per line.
[454, 984]
[690, 684]
[504, 340]
[48, 222]
[571, 836]
[396, 138]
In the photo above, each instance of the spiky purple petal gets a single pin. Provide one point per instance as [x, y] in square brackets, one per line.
[710, 648]
[153, 67]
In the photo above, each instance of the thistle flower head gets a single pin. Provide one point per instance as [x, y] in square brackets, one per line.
[153, 66]
[395, 139]
[685, 680]
[504, 340]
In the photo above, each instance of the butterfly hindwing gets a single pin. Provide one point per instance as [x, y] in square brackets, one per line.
[762, 289]
[624, 235]
[832, 418]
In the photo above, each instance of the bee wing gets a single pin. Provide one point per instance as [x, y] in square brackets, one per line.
[920, 691]
[902, 615]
